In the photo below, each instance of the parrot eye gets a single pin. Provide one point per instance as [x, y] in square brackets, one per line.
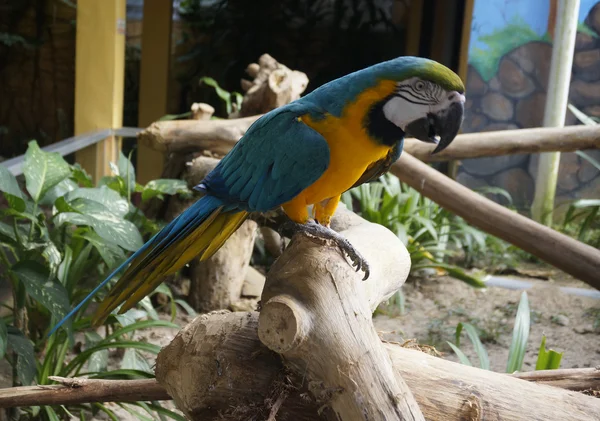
[420, 85]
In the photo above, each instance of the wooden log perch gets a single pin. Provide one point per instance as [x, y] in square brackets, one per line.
[217, 366]
[220, 136]
[316, 314]
[573, 257]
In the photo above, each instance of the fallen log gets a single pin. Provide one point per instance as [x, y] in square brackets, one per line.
[571, 256]
[220, 135]
[217, 366]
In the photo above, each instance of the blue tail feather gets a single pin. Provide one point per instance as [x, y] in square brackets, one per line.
[177, 228]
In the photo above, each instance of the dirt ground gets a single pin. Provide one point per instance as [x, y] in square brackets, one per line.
[435, 306]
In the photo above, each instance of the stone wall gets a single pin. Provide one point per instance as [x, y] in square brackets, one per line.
[515, 98]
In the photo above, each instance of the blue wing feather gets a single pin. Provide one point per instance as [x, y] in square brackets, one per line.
[277, 158]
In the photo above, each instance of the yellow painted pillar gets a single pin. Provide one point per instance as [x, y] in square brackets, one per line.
[99, 79]
[154, 80]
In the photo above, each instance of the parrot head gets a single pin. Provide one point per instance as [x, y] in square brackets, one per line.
[428, 101]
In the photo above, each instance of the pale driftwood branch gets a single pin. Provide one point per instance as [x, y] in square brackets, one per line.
[74, 391]
[573, 257]
[202, 111]
[568, 378]
[220, 136]
[316, 312]
[217, 365]
[273, 85]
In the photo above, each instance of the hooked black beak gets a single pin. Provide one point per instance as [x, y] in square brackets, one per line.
[444, 124]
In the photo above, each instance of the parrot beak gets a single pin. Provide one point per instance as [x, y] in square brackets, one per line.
[439, 128]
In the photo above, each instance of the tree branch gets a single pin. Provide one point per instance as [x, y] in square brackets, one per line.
[219, 136]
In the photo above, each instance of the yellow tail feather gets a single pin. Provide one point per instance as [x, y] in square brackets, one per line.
[203, 242]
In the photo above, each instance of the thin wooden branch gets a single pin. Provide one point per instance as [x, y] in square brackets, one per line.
[574, 257]
[220, 135]
[78, 390]
[87, 391]
[578, 379]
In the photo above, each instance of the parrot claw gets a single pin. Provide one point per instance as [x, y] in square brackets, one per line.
[316, 230]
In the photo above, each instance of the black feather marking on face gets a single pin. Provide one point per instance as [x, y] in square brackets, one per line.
[379, 127]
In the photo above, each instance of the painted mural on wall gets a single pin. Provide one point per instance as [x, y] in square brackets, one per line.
[509, 64]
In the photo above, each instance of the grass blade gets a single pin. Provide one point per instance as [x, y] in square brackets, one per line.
[461, 356]
[547, 360]
[484, 360]
[518, 345]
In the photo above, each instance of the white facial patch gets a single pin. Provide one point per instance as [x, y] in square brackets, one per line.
[402, 112]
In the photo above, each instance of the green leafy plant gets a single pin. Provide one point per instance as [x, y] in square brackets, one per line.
[232, 100]
[59, 236]
[432, 235]
[547, 360]
[582, 218]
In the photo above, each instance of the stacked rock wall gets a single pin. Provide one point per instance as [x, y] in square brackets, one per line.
[515, 98]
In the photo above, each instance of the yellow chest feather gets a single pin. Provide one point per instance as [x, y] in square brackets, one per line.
[351, 148]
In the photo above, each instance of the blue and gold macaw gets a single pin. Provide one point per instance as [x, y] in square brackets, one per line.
[345, 133]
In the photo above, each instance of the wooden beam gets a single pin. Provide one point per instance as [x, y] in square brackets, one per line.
[154, 80]
[99, 79]
[181, 136]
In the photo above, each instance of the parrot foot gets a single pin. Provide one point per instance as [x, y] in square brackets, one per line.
[316, 230]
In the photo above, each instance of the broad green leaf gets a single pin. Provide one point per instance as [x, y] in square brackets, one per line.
[516, 353]
[52, 256]
[3, 338]
[80, 175]
[111, 253]
[132, 360]
[548, 360]
[40, 287]
[126, 171]
[62, 205]
[23, 347]
[7, 233]
[98, 361]
[62, 188]
[188, 308]
[108, 226]
[11, 189]
[461, 355]
[130, 316]
[484, 360]
[79, 266]
[147, 305]
[164, 186]
[103, 195]
[43, 170]
[65, 266]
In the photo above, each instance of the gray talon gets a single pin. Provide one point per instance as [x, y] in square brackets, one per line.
[320, 231]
